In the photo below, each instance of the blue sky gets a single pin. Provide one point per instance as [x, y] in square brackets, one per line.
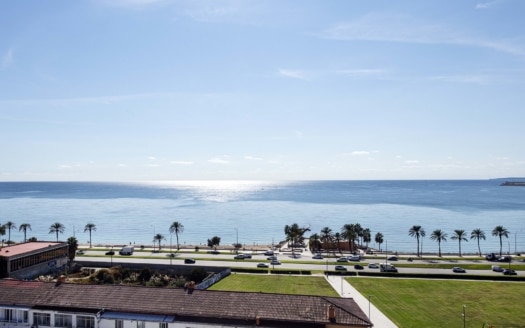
[182, 90]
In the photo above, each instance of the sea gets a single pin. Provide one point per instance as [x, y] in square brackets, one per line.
[254, 213]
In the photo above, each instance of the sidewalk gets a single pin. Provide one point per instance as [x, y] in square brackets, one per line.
[346, 290]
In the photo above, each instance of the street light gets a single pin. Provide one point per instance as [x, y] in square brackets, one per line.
[464, 316]
[236, 241]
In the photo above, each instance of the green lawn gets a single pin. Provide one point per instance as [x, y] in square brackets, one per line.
[439, 303]
[297, 285]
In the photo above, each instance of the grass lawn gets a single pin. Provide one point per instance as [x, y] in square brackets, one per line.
[297, 285]
[439, 303]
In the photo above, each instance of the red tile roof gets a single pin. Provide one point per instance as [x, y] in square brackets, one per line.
[17, 249]
[202, 305]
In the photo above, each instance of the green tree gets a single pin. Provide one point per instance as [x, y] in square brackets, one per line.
[417, 232]
[177, 228]
[314, 243]
[500, 232]
[23, 227]
[349, 232]
[9, 226]
[57, 228]
[367, 236]
[478, 234]
[294, 234]
[214, 242]
[158, 238]
[337, 239]
[2, 232]
[327, 239]
[439, 236]
[72, 244]
[90, 227]
[379, 238]
[459, 235]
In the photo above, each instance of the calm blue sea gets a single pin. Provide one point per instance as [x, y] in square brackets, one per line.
[255, 212]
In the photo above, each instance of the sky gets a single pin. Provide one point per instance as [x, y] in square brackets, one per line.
[128, 90]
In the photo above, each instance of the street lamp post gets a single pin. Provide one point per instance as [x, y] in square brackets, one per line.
[464, 316]
[237, 240]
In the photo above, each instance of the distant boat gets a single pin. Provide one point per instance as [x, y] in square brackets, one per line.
[513, 183]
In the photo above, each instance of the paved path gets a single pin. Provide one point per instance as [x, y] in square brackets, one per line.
[346, 290]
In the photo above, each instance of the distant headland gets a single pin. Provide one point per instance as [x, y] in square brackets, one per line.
[513, 183]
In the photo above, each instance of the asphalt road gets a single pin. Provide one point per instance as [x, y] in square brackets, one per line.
[287, 261]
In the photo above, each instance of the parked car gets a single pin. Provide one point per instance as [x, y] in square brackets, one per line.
[189, 261]
[458, 270]
[373, 266]
[317, 257]
[275, 262]
[497, 268]
[340, 268]
[262, 265]
[358, 267]
[342, 259]
[509, 272]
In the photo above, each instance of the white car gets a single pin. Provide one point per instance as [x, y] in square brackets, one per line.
[373, 266]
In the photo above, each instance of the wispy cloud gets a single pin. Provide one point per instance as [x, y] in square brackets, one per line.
[252, 158]
[7, 59]
[219, 160]
[469, 79]
[182, 162]
[362, 72]
[361, 153]
[402, 28]
[486, 5]
[295, 74]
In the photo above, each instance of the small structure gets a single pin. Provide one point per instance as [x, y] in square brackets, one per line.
[32, 259]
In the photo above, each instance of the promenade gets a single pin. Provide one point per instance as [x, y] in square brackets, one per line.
[348, 291]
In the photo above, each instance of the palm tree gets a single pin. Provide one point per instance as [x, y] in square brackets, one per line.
[2, 233]
[72, 247]
[158, 238]
[177, 227]
[214, 242]
[294, 234]
[90, 227]
[326, 238]
[9, 225]
[315, 243]
[57, 227]
[477, 234]
[500, 231]
[416, 231]
[24, 227]
[367, 236]
[349, 231]
[459, 235]
[379, 239]
[439, 236]
[337, 239]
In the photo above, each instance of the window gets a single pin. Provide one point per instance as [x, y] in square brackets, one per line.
[163, 325]
[141, 324]
[119, 324]
[41, 319]
[11, 315]
[63, 320]
[85, 322]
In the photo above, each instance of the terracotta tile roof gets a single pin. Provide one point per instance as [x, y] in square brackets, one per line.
[201, 305]
[17, 249]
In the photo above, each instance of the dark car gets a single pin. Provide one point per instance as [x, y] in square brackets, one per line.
[272, 258]
[275, 262]
[340, 268]
[358, 267]
[262, 265]
[458, 270]
[392, 258]
[239, 257]
[110, 253]
[509, 272]
[189, 261]
[506, 258]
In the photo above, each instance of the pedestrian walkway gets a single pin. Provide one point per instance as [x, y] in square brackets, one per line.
[348, 291]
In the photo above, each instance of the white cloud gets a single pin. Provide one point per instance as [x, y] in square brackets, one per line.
[296, 74]
[252, 158]
[219, 160]
[360, 153]
[486, 5]
[403, 28]
[182, 162]
[412, 162]
[7, 59]
[152, 158]
[470, 79]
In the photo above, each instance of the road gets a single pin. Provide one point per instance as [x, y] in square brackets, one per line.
[303, 261]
